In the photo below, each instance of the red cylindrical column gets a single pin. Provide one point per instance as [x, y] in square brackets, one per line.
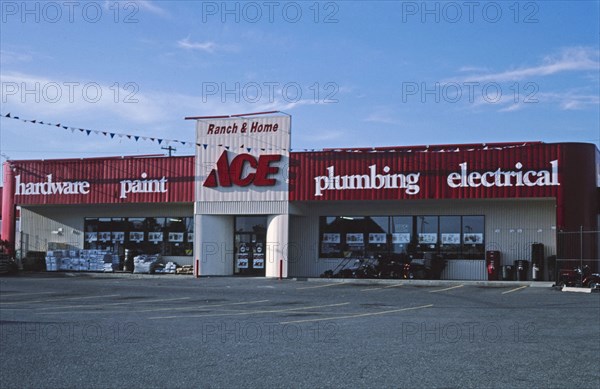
[280, 269]
[8, 207]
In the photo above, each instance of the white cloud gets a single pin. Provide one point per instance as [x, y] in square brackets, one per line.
[208, 46]
[381, 115]
[40, 95]
[584, 60]
[142, 5]
[156, 113]
[151, 6]
[11, 57]
[568, 60]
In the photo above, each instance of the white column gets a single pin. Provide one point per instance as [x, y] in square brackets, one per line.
[213, 244]
[277, 245]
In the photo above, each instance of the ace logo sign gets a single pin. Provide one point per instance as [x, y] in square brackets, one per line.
[243, 170]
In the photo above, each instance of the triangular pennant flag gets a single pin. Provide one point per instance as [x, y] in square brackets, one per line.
[33, 121]
[144, 138]
[80, 129]
[58, 125]
[160, 141]
[226, 147]
[152, 139]
[72, 130]
[121, 135]
[248, 148]
[242, 146]
[16, 117]
[96, 132]
[88, 131]
[128, 136]
[7, 115]
[42, 123]
[104, 133]
[205, 146]
[136, 138]
[112, 135]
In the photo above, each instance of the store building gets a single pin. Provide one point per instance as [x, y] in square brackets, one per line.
[245, 204]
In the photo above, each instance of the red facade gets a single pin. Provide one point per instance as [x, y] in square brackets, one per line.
[563, 171]
[104, 180]
[508, 172]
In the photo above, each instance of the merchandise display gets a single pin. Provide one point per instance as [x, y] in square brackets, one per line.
[82, 260]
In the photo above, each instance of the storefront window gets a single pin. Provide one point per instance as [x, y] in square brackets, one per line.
[353, 236]
[473, 236]
[330, 238]
[453, 237]
[402, 234]
[450, 241]
[254, 224]
[427, 233]
[171, 236]
[377, 236]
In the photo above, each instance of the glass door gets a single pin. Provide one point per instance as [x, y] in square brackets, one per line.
[250, 245]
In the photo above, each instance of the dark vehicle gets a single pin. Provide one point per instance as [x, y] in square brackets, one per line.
[582, 277]
[8, 265]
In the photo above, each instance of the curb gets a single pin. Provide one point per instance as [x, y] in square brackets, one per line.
[363, 281]
[490, 284]
[575, 289]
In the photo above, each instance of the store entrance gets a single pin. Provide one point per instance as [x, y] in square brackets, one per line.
[250, 244]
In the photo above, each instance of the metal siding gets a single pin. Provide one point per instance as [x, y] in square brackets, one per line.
[511, 226]
[242, 208]
[105, 175]
[434, 168]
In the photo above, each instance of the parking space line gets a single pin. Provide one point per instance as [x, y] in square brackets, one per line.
[129, 310]
[383, 287]
[113, 304]
[445, 289]
[59, 299]
[320, 286]
[22, 294]
[356, 315]
[248, 312]
[515, 289]
[202, 306]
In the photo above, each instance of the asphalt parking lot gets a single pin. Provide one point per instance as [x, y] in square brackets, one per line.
[61, 330]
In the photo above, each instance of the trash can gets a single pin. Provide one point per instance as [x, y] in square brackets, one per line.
[507, 273]
[521, 268]
[492, 264]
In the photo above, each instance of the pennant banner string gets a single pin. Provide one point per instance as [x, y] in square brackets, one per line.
[454, 148]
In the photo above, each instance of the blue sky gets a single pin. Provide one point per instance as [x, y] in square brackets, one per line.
[369, 73]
